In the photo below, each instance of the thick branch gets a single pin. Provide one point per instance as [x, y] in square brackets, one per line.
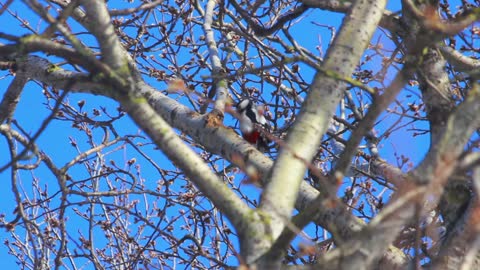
[11, 97]
[220, 85]
[312, 122]
[459, 61]
[112, 50]
[429, 177]
[216, 139]
[189, 162]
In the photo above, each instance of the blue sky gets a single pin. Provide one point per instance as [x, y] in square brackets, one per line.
[32, 111]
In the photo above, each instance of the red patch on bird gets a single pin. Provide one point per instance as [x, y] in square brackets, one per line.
[252, 137]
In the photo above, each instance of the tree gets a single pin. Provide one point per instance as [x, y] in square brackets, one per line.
[330, 196]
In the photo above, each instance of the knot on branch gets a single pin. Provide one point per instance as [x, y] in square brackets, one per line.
[214, 118]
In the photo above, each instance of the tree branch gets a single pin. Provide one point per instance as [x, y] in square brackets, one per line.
[259, 30]
[112, 51]
[189, 162]
[426, 184]
[312, 122]
[11, 97]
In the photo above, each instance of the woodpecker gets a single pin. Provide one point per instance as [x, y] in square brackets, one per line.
[250, 116]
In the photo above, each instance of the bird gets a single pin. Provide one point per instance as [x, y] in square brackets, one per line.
[251, 120]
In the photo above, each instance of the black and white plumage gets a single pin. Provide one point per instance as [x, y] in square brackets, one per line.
[251, 119]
